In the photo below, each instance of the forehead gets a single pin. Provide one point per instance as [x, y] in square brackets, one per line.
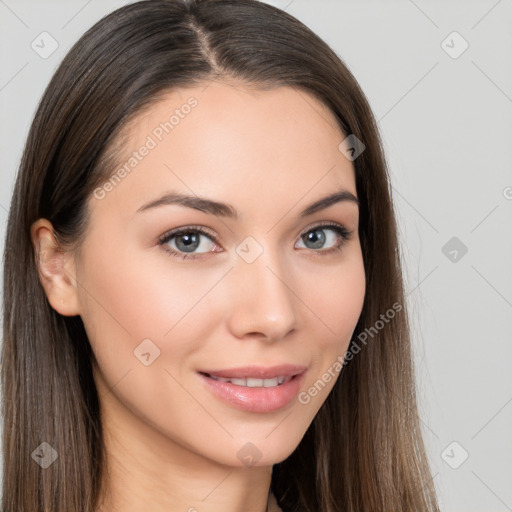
[229, 140]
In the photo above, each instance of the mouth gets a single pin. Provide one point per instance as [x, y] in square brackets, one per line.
[255, 389]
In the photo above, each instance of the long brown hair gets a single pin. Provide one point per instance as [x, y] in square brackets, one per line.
[364, 450]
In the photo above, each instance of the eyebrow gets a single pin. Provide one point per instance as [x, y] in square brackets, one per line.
[225, 210]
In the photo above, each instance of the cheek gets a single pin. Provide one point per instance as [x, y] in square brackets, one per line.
[129, 296]
[130, 300]
[336, 296]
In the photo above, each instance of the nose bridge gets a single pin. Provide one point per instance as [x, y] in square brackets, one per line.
[262, 301]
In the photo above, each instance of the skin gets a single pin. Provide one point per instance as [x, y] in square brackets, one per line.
[172, 445]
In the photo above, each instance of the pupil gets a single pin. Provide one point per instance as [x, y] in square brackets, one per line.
[317, 237]
[190, 241]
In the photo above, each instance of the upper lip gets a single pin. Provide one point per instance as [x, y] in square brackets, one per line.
[258, 372]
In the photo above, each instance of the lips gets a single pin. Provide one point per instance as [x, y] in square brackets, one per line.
[249, 395]
[259, 389]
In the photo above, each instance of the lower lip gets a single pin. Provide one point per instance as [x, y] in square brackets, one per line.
[255, 399]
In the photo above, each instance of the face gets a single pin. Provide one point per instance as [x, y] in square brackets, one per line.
[264, 284]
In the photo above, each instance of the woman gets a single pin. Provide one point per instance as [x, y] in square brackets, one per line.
[265, 364]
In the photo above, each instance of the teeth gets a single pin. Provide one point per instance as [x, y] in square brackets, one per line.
[240, 382]
[255, 383]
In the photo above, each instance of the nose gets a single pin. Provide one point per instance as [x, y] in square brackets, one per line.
[261, 303]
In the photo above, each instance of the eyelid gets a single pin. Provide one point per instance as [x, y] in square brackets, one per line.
[192, 227]
[326, 224]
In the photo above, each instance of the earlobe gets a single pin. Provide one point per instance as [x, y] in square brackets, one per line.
[56, 269]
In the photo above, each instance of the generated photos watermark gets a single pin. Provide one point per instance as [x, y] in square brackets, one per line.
[157, 135]
[333, 371]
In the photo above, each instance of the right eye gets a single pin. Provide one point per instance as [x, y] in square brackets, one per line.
[183, 242]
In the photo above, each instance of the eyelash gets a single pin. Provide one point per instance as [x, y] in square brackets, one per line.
[342, 232]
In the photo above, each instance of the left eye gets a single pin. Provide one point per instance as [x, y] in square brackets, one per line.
[317, 238]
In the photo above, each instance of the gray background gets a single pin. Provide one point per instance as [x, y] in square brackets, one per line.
[445, 118]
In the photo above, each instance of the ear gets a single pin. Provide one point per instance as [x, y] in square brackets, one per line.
[56, 268]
